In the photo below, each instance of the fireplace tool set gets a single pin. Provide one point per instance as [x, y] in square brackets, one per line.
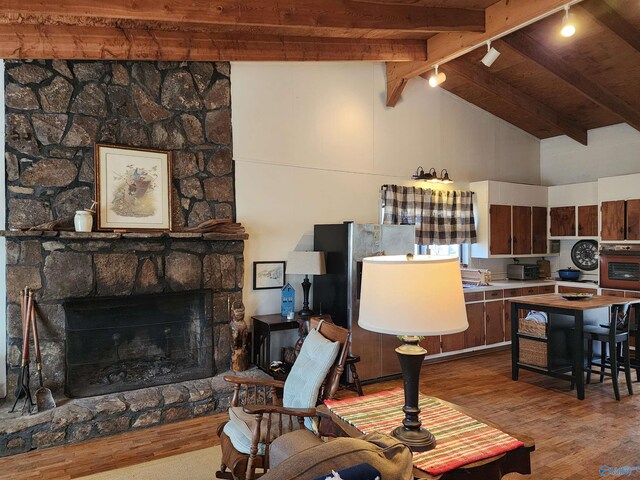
[44, 398]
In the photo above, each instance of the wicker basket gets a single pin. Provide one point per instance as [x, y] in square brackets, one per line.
[532, 352]
[530, 327]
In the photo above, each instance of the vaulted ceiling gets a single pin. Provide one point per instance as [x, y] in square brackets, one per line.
[545, 84]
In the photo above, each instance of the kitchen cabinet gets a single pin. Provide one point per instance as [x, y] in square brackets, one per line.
[539, 229]
[521, 221]
[562, 221]
[567, 289]
[452, 342]
[431, 345]
[474, 335]
[612, 214]
[633, 219]
[511, 220]
[587, 220]
[500, 225]
[389, 361]
[494, 318]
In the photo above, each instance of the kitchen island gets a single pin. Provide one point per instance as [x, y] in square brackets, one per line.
[555, 304]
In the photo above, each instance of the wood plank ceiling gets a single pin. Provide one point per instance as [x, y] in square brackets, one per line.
[544, 84]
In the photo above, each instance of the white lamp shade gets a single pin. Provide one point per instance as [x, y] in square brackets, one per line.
[422, 296]
[306, 263]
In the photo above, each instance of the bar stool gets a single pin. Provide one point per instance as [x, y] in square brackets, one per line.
[354, 386]
[614, 338]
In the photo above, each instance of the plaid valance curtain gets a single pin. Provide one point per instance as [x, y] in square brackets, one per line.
[440, 217]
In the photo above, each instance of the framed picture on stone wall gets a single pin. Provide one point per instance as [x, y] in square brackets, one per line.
[268, 275]
[133, 188]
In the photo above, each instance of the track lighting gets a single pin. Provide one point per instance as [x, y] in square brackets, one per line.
[491, 55]
[568, 27]
[437, 78]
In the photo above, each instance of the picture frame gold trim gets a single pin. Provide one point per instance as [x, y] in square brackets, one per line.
[108, 219]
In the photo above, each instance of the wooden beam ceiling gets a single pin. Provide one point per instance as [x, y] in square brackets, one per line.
[315, 14]
[95, 43]
[502, 18]
[520, 100]
[534, 51]
[603, 13]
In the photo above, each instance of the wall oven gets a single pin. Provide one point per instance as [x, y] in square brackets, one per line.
[620, 267]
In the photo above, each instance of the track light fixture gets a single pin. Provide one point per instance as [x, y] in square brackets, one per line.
[491, 55]
[437, 78]
[568, 27]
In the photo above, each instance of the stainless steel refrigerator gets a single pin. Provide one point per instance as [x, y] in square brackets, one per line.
[338, 292]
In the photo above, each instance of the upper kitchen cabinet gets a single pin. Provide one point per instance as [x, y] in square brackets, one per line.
[511, 219]
[573, 210]
[619, 208]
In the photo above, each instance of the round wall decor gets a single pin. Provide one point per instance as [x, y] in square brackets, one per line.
[585, 254]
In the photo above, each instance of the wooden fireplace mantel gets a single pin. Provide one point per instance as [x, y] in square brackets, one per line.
[116, 235]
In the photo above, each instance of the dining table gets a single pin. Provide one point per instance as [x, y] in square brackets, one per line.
[576, 307]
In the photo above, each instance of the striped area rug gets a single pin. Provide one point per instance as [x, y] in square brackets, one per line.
[460, 438]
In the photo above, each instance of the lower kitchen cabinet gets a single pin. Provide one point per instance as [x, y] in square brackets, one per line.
[431, 345]
[453, 342]
[474, 335]
[566, 289]
[494, 318]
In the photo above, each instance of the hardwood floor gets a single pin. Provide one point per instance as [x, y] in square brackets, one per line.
[573, 438]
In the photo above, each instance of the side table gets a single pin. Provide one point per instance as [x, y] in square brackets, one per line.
[263, 326]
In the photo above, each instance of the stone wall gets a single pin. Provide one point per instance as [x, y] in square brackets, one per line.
[57, 110]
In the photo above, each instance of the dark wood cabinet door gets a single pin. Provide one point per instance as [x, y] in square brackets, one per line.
[494, 318]
[366, 344]
[389, 362]
[566, 289]
[612, 220]
[633, 219]
[474, 335]
[452, 342]
[507, 320]
[539, 230]
[521, 230]
[563, 221]
[431, 345]
[588, 220]
[500, 229]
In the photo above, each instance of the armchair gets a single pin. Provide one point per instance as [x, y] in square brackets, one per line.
[262, 410]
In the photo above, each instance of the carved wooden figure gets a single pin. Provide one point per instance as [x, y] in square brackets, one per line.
[239, 331]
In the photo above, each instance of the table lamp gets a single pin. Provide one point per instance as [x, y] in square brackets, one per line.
[412, 296]
[306, 263]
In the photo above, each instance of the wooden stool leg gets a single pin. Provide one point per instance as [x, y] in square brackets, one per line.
[626, 354]
[603, 358]
[613, 356]
[356, 379]
[589, 360]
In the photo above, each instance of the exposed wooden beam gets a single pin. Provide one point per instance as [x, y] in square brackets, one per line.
[282, 13]
[502, 17]
[492, 84]
[603, 13]
[69, 42]
[532, 49]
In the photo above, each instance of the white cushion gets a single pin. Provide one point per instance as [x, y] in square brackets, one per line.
[308, 372]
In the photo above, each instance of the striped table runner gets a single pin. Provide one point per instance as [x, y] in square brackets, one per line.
[460, 438]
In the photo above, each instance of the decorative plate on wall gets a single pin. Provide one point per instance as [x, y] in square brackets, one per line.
[585, 254]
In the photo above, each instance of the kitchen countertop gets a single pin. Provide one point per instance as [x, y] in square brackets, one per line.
[505, 284]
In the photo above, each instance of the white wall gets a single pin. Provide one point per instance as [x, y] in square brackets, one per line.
[611, 151]
[313, 143]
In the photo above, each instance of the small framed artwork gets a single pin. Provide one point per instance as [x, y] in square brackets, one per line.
[268, 275]
[133, 188]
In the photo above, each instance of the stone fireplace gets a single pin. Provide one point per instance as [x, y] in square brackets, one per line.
[182, 282]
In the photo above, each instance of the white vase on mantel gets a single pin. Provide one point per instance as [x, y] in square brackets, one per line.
[83, 221]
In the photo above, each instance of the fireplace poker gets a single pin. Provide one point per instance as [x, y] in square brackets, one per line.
[23, 378]
[44, 397]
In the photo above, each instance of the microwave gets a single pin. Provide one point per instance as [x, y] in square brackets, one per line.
[520, 271]
[620, 267]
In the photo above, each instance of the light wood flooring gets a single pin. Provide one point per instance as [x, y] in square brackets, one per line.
[573, 438]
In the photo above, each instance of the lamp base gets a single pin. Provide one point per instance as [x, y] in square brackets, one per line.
[417, 440]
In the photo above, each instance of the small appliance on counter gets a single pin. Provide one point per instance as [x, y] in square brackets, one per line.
[544, 268]
[520, 271]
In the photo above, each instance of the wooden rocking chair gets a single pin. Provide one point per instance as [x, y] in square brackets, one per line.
[259, 413]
